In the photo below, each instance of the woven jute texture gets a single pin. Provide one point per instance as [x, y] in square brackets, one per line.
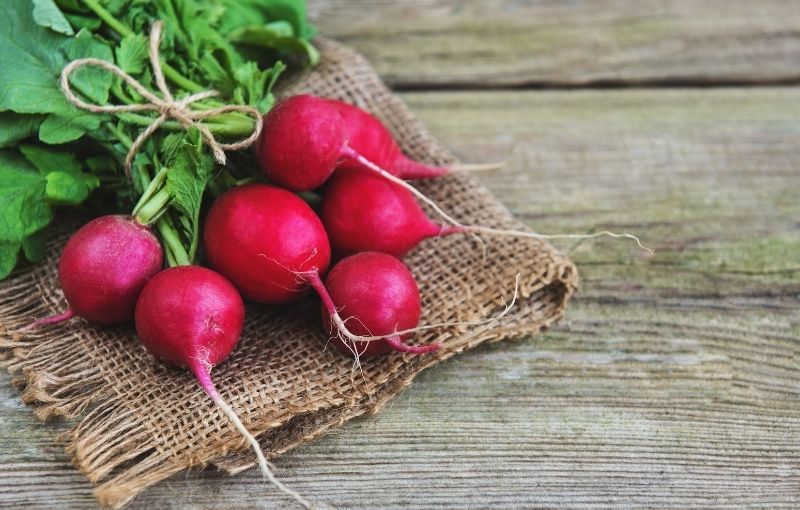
[135, 422]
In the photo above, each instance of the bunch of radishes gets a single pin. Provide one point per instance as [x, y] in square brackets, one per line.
[267, 244]
[264, 242]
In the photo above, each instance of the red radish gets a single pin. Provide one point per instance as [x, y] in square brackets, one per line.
[301, 142]
[191, 317]
[260, 237]
[103, 267]
[369, 137]
[363, 211]
[304, 139]
[376, 295]
[273, 247]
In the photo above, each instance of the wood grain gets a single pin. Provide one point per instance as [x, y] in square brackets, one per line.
[674, 382]
[480, 43]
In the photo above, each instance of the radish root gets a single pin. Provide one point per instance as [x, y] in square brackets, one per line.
[201, 372]
[398, 345]
[53, 319]
[476, 167]
[475, 229]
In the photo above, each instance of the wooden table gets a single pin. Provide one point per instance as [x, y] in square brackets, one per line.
[674, 380]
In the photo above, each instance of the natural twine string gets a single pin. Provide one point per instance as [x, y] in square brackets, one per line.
[167, 107]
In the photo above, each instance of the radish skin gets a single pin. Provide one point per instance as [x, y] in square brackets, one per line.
[260, 237]
[301, 143]
[364, 212]
[102, 269]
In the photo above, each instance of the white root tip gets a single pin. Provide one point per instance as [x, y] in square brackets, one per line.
[477, 167]
[518, 233]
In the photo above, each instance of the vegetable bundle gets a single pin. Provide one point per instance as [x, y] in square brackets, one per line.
[150, 96]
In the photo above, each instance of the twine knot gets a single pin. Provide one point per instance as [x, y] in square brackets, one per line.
[166, 106]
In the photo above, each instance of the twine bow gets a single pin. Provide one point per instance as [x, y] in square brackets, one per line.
[167, 107]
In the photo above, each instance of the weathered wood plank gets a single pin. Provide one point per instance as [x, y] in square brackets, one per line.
[674, 381]
[477, 43]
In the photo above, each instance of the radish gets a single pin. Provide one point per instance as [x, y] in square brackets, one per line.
[305, 138]
[102, 269]
[301, 142]
[191, 317]
[260, 237]
[272, 246]
[377, 295]
[363, 211]
[367, 136]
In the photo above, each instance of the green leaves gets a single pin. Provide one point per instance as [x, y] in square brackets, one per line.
[46, 14]
[31, 58]
[189, 172]
[66, 122]
[277, 36]
[69, 188]
[47, 160]
[132, 54]
[30, 184]
[240, 13]
[255, 86]
[22, 207]
[65, 183]
[53, 154]
[16, 126]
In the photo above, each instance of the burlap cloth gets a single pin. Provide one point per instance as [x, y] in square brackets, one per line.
[136, 422]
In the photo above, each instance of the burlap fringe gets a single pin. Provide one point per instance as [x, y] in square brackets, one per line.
[59, 386]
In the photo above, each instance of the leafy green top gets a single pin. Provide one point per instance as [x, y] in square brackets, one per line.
[52, 154]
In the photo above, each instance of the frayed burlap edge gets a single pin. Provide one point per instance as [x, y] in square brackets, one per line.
[117, 442]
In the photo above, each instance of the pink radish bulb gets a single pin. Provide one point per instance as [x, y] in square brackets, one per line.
[103, 267]
[376, 295]
[191, 317]
[260, 237]
[370, 138]
[301, 142]
[305, 138]
[362, 211]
